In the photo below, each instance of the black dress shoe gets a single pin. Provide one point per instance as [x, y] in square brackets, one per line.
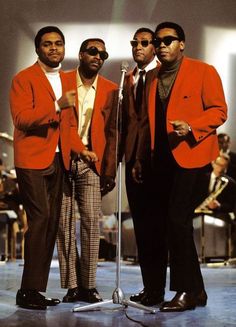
[201, 299]
[31, 299]
[148, 298]
[51, 301]
[137, 297]
[152, 298]
[182, 301]
[72, 295]
[90, 295]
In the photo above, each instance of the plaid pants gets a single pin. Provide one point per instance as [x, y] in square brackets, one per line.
[83, 186]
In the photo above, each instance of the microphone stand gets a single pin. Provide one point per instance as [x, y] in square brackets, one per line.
[118, 296]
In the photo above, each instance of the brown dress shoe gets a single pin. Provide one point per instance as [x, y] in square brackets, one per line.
[182, 301]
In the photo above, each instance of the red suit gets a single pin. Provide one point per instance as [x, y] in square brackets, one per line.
[80, 270]
[38, 132]
[35, 119]
[197, 98]
[137, 194]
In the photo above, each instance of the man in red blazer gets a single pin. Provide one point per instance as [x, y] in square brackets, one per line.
[186, 104]
[44, 135]
[143, 52]
[95, 110]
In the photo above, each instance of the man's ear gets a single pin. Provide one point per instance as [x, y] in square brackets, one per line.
[182, 45]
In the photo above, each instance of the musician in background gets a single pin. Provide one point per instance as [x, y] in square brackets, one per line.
[213, 183]
[10, 199]
[2, 203]
[224, 145]
[8, 189]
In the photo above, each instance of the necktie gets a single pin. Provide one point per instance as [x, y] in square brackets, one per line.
[139, 91]
[215, 184]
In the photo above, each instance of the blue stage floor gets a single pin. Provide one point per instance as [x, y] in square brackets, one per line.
[220, 311]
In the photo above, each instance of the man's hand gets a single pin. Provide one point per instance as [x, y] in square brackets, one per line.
[180, 127]
[67, 100]
[88, 156]
[107, 184]
[214, 204]
[137, 172]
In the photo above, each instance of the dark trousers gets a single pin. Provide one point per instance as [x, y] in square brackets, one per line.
[173, 202]
[139, 202]
[171, 210]
[41, 191]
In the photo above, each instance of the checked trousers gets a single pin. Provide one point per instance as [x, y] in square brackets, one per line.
[81, 187]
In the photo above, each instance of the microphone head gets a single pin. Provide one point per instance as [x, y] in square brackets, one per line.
[124, 66]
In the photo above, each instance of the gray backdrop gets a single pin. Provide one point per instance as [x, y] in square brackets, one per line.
[210, 27]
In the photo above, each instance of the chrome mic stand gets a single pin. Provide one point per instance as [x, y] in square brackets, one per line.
[118, 296]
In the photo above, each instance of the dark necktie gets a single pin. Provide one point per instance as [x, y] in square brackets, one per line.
[215, 184]
[139, 91]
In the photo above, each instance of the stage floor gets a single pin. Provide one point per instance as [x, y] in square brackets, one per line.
[220, 311]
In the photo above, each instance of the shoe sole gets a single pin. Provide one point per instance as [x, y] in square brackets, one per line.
[201, 304]
[31, 307]
[176, 310]
[70, 301]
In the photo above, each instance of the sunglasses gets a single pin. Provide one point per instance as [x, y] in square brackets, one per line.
[144, 43]
[167, 40]
[93, 51]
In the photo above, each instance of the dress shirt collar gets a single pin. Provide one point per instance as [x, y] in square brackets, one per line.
[80, 82]
[150, 66]
[214, 177]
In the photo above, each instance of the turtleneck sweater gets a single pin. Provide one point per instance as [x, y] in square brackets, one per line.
[53, 76]
[167, 75]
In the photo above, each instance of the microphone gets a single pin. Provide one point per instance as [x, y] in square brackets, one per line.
[124, 67]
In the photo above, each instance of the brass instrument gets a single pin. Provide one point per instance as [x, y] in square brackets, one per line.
[202, 208]
[6, 137]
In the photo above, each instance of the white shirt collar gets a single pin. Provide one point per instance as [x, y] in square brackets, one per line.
[80, 83]
[48, 69]
[150, 66]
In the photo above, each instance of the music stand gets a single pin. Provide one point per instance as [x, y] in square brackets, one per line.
[118, 296]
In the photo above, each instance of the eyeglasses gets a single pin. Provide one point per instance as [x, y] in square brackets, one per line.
[167, 40]
[144, 43]
[93, 51]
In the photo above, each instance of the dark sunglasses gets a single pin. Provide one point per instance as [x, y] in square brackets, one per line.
[167, 40]
[93, 51]
[144, 43]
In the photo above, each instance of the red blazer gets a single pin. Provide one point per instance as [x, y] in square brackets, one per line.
[131, 128]
[38, 127]
[103, 124]
[198, 98]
